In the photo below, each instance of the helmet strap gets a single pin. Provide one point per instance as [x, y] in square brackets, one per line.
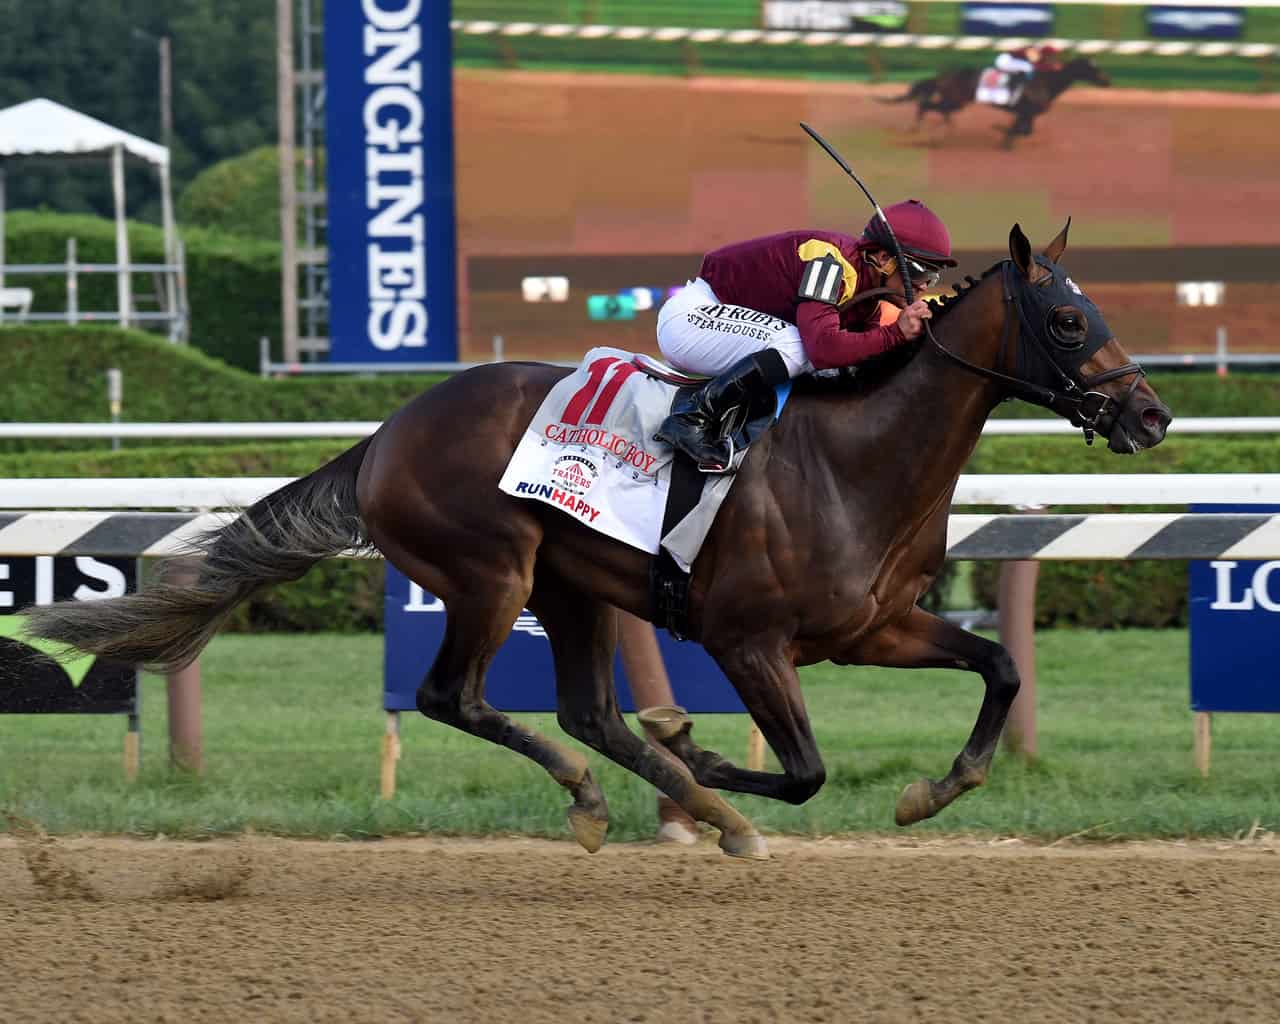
[888, 268]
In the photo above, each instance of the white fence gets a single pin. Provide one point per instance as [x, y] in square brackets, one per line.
[363, 428]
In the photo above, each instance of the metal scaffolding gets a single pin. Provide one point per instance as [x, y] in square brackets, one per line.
[303, 199]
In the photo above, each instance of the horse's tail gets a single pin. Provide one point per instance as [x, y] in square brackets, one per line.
[917, 92]
[275, 540]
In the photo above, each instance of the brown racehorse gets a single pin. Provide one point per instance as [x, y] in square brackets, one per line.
[952, 90]
[834, 528]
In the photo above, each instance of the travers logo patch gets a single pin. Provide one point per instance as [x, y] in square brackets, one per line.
[574, 473]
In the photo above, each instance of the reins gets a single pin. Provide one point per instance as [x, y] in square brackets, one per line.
[1077, 401]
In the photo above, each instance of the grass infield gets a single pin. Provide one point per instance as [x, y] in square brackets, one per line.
[293, 727]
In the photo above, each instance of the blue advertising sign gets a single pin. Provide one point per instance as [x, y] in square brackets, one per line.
[522, 677]
[389, 138]
[1006, 19]
[1235, 630]
[1178, 22]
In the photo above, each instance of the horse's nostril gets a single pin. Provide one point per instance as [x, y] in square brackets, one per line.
[1155, 420]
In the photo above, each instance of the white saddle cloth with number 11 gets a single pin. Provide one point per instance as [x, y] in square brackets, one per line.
[589, 451]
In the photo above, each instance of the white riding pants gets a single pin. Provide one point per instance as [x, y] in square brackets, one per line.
[1008, 62]
[698, 333]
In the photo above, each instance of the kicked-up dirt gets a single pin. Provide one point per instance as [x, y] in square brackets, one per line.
[535, 931]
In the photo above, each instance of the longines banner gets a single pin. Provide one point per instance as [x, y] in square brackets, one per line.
[1235, 630]
[31, 680]
[836, 15]
[1170, 21]
[521, 676]
[1007, 19]
[389, 139]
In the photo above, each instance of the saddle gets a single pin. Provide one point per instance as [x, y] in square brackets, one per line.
[741, 425]
[659, 370]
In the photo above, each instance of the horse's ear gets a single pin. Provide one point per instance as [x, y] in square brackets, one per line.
[1020, 250]
[1058, 246]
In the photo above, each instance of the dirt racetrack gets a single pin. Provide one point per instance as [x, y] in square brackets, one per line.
[534, 931]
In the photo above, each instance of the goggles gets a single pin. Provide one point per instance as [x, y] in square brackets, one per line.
[922, 275]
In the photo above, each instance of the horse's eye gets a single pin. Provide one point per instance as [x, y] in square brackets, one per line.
[1067, 327]
[1070, 322]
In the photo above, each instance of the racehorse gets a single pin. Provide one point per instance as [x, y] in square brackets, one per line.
[834, 527]
[952, 90]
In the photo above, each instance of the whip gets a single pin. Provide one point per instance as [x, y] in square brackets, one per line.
[893, 239]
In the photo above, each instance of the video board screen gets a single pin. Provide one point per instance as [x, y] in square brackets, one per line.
[615, 182]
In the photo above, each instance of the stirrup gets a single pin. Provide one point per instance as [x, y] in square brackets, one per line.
[712, 468]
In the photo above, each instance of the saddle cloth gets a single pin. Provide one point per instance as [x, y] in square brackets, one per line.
[589, 451]
[993, 88]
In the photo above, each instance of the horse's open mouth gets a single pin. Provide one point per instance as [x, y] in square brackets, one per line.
[1122, 442]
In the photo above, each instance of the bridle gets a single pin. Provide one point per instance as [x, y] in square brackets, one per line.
[1075, 400]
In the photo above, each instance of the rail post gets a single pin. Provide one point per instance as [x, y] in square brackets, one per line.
[182, 687]
[1017, 601]
[115, 399]
[73, 284]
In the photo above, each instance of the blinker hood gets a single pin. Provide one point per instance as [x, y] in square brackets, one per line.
[1037, 304]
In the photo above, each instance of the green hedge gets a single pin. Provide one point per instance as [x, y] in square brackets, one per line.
[58, 374]
[233, 284]
[55, 373]
[1110, 594]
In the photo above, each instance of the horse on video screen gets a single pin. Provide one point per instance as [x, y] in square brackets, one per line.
[835, 526]
[953, 90]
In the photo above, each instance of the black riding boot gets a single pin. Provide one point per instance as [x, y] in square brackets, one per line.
[694, 425]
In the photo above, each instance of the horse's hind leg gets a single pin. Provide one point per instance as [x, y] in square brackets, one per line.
[479, 620]
[922, 640]
[583, 635]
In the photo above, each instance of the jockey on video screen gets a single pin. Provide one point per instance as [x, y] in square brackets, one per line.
[1027, 60]
[765, 310]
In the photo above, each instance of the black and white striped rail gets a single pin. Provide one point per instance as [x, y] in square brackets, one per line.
[994, 537]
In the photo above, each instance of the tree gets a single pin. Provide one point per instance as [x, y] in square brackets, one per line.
[101, 59]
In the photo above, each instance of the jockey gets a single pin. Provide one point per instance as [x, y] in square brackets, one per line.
[1026, 60]
[769, 309]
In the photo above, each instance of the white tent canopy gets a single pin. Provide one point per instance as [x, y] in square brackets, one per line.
[41, 128]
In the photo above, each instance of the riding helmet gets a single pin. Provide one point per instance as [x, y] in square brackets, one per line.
[920, 232]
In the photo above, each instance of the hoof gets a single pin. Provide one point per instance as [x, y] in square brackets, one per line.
[587, 829]
[915, 803]
[664, 721]
[747, 845]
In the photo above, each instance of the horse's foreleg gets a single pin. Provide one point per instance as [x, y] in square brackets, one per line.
[767, 682]
[478, 621]
[583, 635]
[922, 640]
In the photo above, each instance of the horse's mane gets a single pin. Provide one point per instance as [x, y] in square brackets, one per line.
[875, 371]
